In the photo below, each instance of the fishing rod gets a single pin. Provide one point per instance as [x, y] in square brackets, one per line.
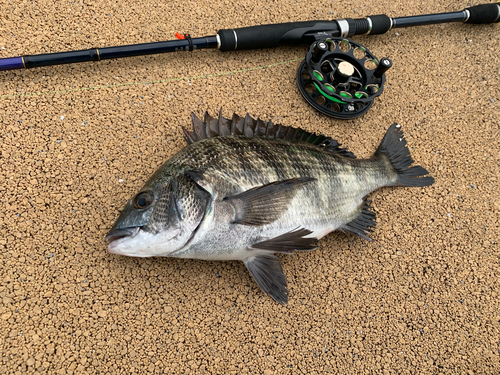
[339, 77]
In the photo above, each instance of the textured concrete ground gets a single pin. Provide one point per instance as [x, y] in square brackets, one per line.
[76, 141]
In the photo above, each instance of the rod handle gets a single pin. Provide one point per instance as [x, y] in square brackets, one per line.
[270, 36]
[380, 24]
[484, 13]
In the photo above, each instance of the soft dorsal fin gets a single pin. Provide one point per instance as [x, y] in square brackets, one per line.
[221, 126]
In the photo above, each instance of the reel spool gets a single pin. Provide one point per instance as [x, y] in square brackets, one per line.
[341, 78]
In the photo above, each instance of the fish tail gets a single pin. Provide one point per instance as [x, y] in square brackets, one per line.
[393, 147]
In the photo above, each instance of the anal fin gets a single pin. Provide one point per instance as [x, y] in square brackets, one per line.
[267, 272]
[363, 223]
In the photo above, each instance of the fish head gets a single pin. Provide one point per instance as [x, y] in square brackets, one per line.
[160, 219]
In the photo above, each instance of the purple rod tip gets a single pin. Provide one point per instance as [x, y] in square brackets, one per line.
[11, 63]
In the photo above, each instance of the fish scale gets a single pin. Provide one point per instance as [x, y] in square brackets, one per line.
[244, 189]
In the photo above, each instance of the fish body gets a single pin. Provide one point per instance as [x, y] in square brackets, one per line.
[244, 189]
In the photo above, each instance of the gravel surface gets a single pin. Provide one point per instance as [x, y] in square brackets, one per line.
[76, 141]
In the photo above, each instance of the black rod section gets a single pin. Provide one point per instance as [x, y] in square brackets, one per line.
[98, 54]
[429, 19]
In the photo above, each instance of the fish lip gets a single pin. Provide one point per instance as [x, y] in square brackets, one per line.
[117, 234]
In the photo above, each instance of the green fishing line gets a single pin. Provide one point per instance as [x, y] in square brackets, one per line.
[150, 82]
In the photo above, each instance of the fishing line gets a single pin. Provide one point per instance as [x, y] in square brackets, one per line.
[151, 82]
[339, 78]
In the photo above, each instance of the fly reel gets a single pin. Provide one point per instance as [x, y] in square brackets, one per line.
[341, 78]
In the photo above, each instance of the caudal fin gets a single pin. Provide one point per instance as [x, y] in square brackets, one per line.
[393, 146]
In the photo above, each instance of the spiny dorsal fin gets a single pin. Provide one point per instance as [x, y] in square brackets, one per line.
[221, 126]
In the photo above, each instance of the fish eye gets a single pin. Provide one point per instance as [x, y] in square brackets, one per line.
[143, 200]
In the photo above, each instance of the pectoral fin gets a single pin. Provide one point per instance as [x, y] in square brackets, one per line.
[267, 272]
[265, 204]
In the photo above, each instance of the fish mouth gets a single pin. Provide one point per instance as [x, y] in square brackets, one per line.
[116, 234]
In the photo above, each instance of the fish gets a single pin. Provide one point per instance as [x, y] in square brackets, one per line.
[245, 189]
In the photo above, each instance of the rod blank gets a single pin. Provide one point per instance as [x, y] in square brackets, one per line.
[262, 36]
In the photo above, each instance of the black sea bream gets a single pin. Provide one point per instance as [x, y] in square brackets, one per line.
[244, 189]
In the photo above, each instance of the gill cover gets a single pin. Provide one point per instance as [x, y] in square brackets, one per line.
[159, 221]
